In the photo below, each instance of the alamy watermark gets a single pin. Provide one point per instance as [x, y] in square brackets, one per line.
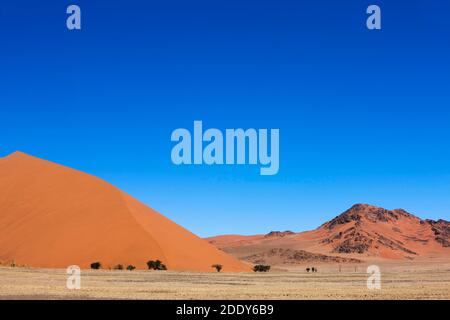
[374, 279]
[73, 21]
[373, 22]
[234, 146]
[74, 277]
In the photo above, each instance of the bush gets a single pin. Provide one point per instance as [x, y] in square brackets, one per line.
[156, 265]
[131, 268]
[261, 268]
[307, 269]
[118, 267]
[218, 267]
[96, 265]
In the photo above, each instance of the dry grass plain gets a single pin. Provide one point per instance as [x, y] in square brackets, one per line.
[398, 282]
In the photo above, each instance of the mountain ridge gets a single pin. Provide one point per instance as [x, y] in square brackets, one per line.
[362, 232]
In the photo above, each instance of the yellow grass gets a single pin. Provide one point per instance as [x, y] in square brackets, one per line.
[398, 282]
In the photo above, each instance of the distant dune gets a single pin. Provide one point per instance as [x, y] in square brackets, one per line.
[364, 232]
[52, 216]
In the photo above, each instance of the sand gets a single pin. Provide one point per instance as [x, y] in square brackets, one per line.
[399, 281]
[52, 216]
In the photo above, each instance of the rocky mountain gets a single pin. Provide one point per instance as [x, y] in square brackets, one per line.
[362, 232]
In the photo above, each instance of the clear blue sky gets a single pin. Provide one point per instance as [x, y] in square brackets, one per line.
[363, 115]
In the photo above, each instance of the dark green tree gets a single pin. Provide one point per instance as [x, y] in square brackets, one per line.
[261, 268]
[156, 265]
[218, 267]
[96, 265]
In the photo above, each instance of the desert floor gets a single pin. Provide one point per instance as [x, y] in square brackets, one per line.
[399, 281]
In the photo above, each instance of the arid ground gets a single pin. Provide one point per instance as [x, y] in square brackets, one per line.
[399, 281]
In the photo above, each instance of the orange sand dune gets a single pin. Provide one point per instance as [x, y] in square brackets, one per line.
[53, 216]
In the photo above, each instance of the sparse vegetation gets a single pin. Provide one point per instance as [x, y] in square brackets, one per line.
[261, 268]
[96, 265]
[131, 267]
[218, 267]
[156, 265]
[118, 267]
[404, 281]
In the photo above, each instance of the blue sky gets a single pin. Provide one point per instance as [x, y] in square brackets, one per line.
[363, 115]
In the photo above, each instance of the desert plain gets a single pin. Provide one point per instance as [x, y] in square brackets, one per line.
[399, 280]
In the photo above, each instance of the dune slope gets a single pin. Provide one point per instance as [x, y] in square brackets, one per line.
[53, 216]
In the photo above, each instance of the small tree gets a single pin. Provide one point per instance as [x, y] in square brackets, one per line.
[118, 267]
[307, 269]
[131, 267]
[96, 265]
[261, 268]
[218, 267]
[156, 265]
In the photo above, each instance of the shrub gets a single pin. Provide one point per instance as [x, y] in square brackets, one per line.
[218, 267]
[131, 268]
[156, 265]
[118, 267]
[261, 268]
[307, 269]
[96, 265]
